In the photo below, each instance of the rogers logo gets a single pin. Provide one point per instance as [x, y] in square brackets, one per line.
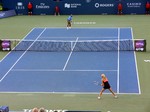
[97, 5]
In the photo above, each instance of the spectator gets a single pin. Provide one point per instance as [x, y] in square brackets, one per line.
[119, 9]
[57, 11]
[1, 7]
[35, 110]
[30, 8]
[41, 110]
[147, 8]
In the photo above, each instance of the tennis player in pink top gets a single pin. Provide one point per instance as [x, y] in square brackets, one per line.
[106, 85]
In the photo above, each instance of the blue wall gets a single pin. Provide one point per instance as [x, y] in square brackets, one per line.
[46, 7]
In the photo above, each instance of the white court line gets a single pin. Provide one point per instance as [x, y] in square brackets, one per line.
[82, 27]
[138, 81]
[21, 39]
[70, 54]
[10, 92]
[21, 56]
[118, 78]
[59, 70]
[80, 37]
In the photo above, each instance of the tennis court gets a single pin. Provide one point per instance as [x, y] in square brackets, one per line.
[70, 72]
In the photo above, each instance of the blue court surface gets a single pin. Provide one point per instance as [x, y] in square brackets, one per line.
[70, 72]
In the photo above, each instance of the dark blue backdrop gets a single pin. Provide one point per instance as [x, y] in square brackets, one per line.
[46, 7]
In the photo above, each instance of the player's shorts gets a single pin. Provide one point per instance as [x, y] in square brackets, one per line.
[69, 23]
[106, 86]
[29, 10]
[120, 10]
[57, 13]
[147, 9]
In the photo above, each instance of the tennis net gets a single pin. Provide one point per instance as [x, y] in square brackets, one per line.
[76, 46]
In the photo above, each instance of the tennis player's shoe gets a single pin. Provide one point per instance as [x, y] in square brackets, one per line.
[115, 97]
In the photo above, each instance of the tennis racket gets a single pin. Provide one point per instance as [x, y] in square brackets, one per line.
[96, 83]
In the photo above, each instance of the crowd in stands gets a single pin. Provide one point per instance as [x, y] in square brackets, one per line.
[1, 6]
[38, 110]
[42, 110]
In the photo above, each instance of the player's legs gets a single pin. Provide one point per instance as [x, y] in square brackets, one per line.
[68, 24]
[146, 11]
[112, 92]
[29, 11]
[119, 12]
[101, 92]
[56, 13]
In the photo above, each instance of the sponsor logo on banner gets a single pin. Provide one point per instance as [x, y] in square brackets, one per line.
[97, 5]
[6, 45]
[2, 15]
[72, 5]
[42, 6]
[67, 5]
[134, 5]
[20, 6]
[147, 61]
[139, 44]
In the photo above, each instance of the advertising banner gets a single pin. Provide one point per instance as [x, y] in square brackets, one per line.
[46, 7]
[140, 45]
[89, 7]
[4, 14]
[134, 6]
[5, 45]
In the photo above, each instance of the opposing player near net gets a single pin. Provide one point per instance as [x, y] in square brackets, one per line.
[106, 85]
[69, 22]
